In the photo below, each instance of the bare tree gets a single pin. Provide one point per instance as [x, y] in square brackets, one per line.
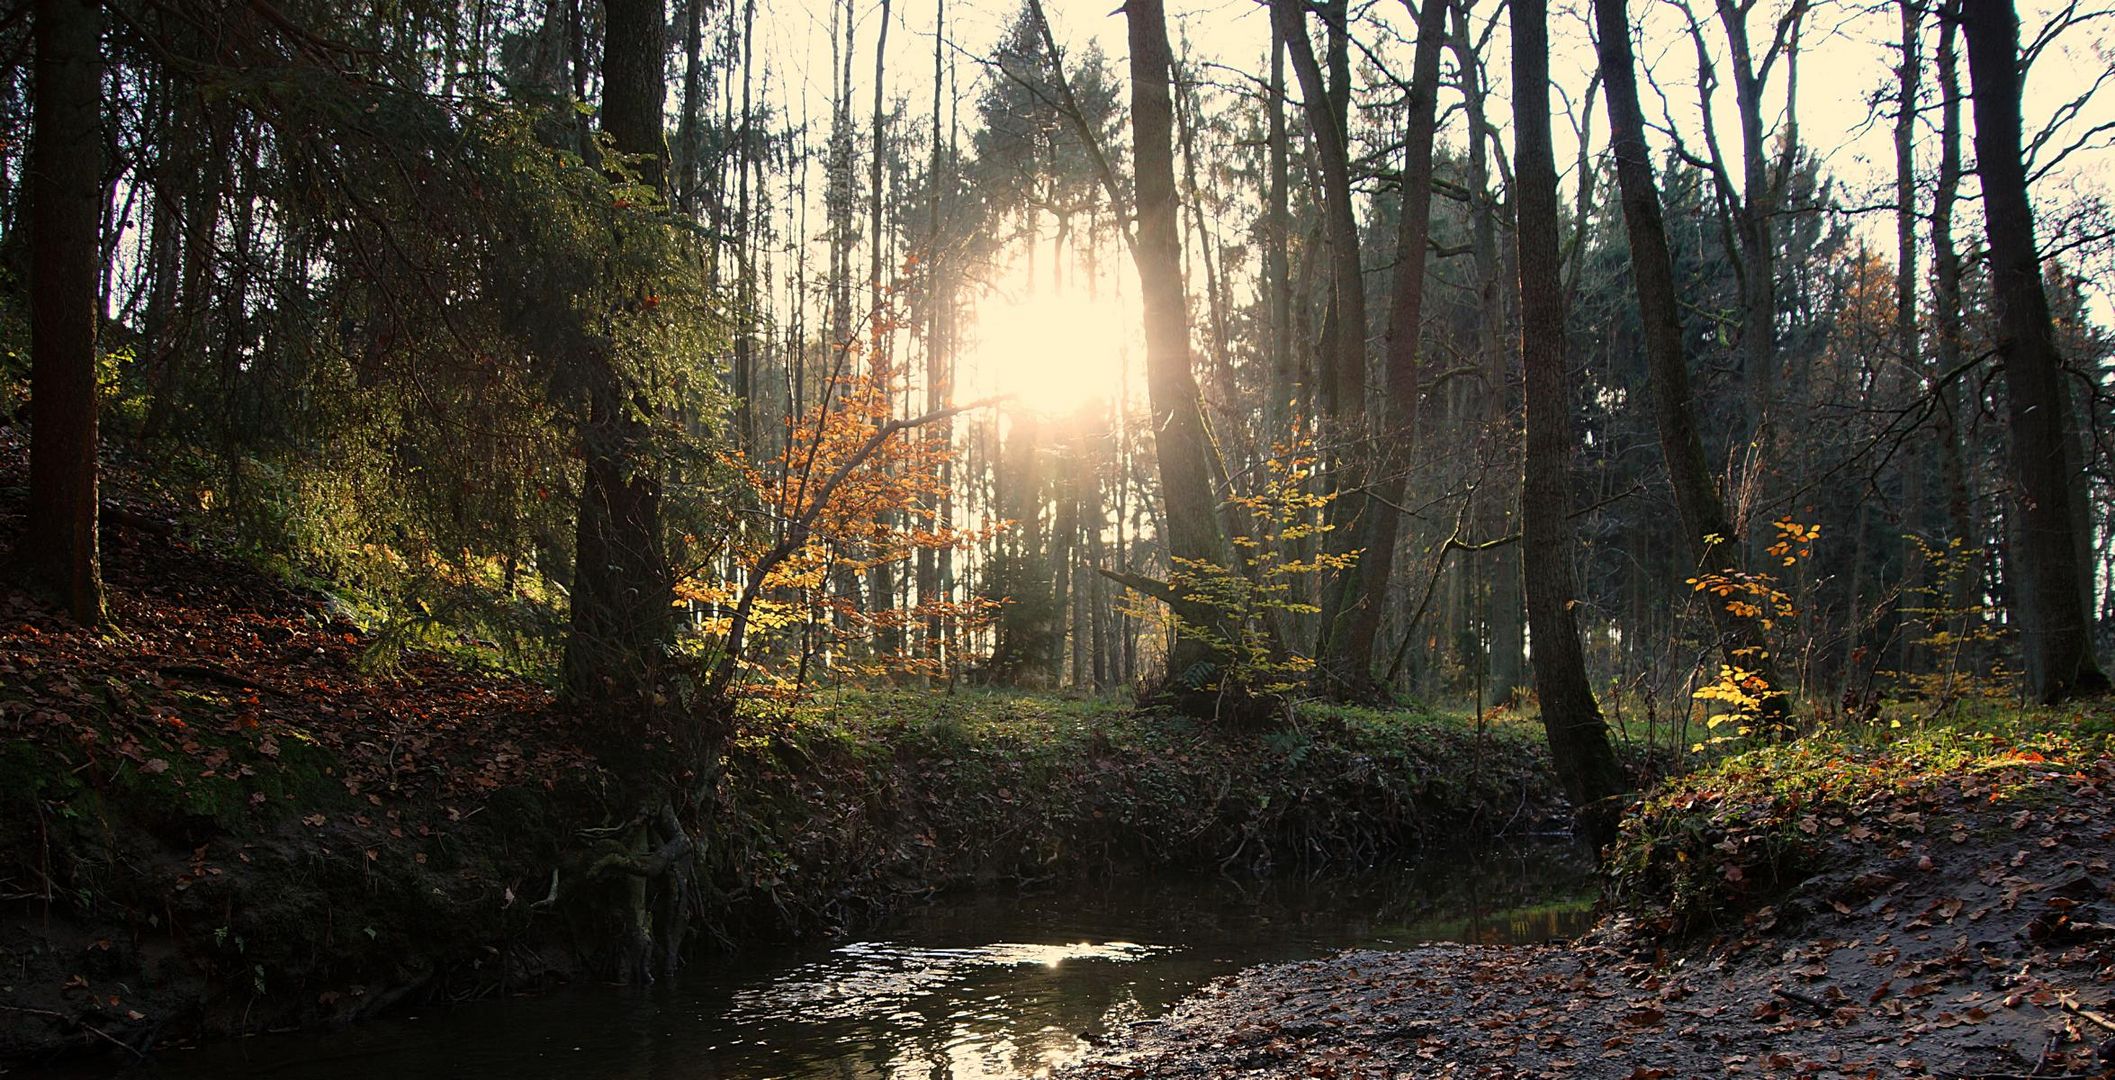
[1193, 532]
[1343, 380]
[1571, 719]
[1362, 605]
[1696, 496]
[2055, 630]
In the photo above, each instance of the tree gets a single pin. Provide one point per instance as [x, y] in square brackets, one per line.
[2056, 632]
[1343, 371]
[1193, 532]
[1946, 315]
[1361, 608]
[1571, 719]
[1696, 495]
[1756, 207]
[65, 196]
[622, 587]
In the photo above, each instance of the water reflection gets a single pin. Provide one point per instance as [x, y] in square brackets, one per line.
[869, 978]
[981, 987]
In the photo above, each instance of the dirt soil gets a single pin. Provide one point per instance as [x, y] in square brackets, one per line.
[1961, 927]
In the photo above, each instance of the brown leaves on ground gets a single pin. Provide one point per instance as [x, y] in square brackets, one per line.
[1963, 928]
[210, 679]
[211, 782]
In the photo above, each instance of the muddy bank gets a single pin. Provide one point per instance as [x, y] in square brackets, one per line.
[1839, 913]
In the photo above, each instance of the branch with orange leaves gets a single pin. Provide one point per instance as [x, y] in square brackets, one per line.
[803, 527]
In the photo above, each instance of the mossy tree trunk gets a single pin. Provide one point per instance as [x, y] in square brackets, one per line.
[642, 882]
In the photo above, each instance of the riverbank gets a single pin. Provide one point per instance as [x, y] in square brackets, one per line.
[219, 816]
[1935, 905]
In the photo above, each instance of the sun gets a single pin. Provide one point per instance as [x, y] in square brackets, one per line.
[1055, 353]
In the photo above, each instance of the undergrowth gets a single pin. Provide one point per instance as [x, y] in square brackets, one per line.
[861, 798]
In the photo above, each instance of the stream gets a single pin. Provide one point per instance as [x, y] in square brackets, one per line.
[979, 986]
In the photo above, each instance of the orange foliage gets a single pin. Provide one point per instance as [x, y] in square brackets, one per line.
[885, 510]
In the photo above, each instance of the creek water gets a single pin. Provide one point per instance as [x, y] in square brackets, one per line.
[981, 986]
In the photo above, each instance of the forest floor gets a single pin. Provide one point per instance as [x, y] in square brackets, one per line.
[1939, 905]
[219, 816]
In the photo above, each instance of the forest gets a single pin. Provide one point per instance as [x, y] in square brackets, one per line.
[789, 461]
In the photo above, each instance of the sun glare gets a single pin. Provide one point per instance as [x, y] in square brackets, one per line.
[1053, 353]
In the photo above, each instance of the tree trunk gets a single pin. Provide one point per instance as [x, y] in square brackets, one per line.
[689, 147]
[1696, 496]
[938, 297]
[1571, 719]
[1756, 215]
[1909, 79]
[1345, 382]
[1279, 411]
[1480, 404]
[1360, 609]
[2055, 631]
[746, 321]
[1347, 280]
[1195, 664]
[622, 589]
[881, 580]
[65, 192]
[1947, 333]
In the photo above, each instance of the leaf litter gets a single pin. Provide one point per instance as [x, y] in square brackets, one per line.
[1958, 924]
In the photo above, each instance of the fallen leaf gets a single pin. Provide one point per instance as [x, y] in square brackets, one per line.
[1645, 1017]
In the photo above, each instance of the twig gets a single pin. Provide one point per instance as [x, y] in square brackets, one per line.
[2075, 1009]
[1157, 589]
[126, 519]
[206, 673]
[82, 1024]
[1820, 1008]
